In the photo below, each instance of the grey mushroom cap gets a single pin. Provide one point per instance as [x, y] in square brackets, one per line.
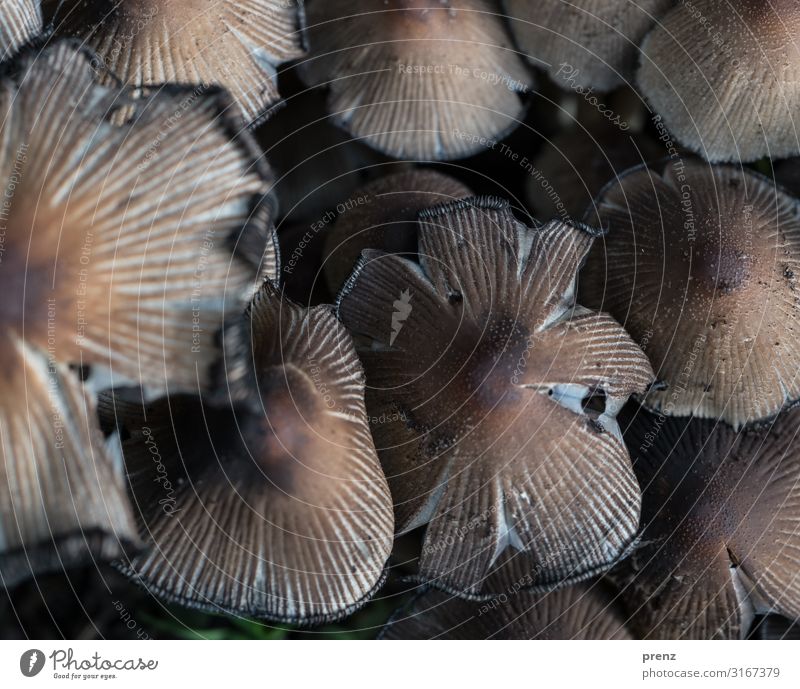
[719, 539]
[479, 360]
[732, 93]
[236, 44]
[700, 264]
[584, 45]
[275, 507]
[417, 81]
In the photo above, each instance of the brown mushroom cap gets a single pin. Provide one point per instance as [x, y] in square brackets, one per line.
[62, 494]
[279, 511]
[700, 264]
[584, 44]
[146, 236]
[478, 366]
[232, 43]
[417, 79]
[725, 77]
[720, 539]
[575, 612]
[383, 215]
[20, 20]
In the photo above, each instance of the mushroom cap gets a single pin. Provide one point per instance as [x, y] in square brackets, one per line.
[573, 167]
[584, 44]
[725, 77]
[575, 612]
[414, 79]
[277, 511]
[478, 365]
[237, 44]
[719, 513]
[146, 235]
[700, 264]
[20, 20]
[383, 215]
[62, 494]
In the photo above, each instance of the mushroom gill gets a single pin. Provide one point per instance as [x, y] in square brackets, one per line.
[700, 264]
[479, 367]
[586, 45]
[237, 44]
[576, 612]
[277, 509]
[146, 236]
[383, 215]
[725, 77]
[20, 20]
[720, 541]
[417, 79]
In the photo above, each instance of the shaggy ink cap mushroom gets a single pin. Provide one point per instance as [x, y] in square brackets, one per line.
[383, 215]
[719, 526]
[700, 264]
[575, 612]
[417, 79]
[479, 365]
[725, 77]
[588, 45]
[236, 44]
[20, 20]
[278, 510]
[147, 235]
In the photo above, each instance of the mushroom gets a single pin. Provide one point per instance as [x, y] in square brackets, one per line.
[382, 215]
[724, 77]
[276, 509]
[417, 79]
[720, 541]
[123, 251]
[700, 264]
[237, 44]
[575, 612]
[584, 45]
[478, 365]
[20, 20]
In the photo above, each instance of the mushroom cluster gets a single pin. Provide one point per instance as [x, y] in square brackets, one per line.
[502, 342]
[102, 270]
